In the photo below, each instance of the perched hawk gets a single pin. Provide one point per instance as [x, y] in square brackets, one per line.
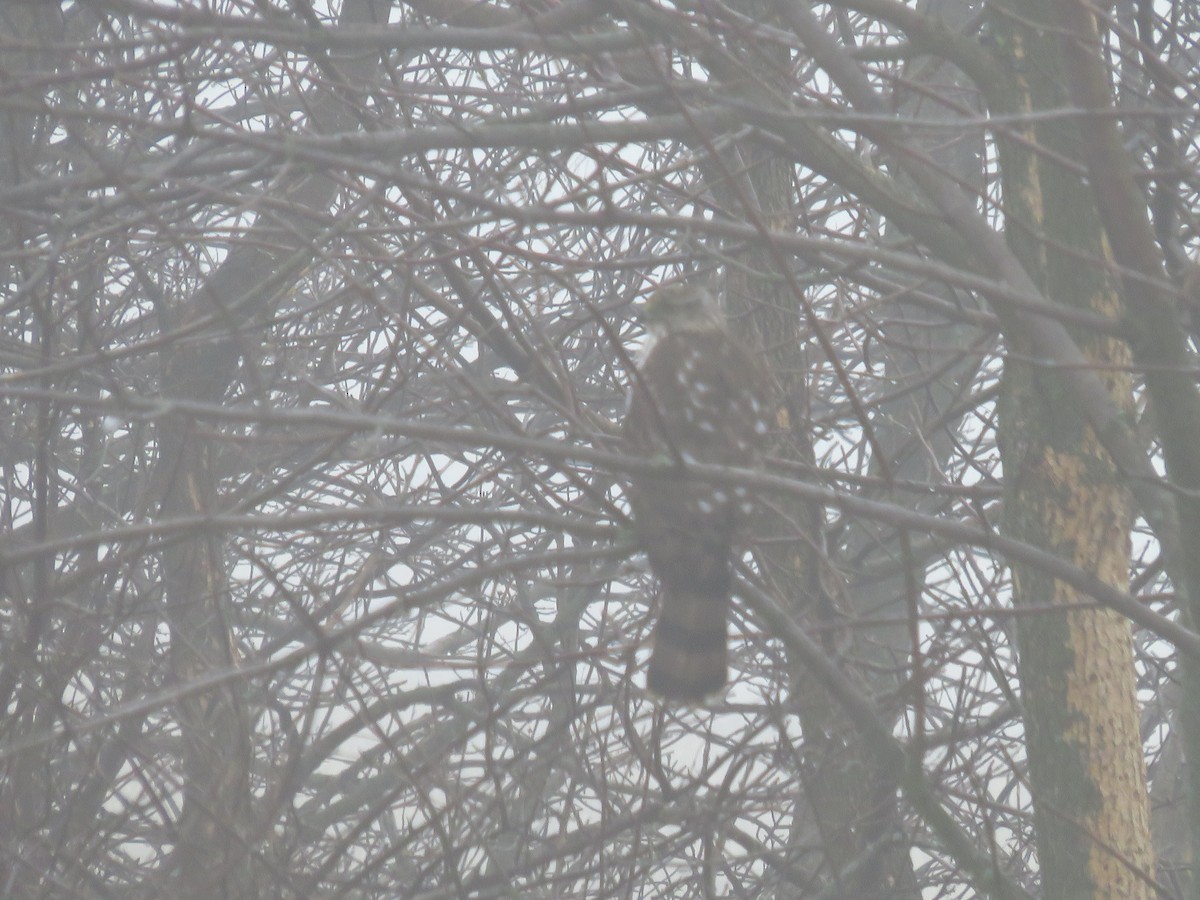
[700, 397]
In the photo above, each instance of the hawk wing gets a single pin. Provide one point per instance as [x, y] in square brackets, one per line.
[701, 398]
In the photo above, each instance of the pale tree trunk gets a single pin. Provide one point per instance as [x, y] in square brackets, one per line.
[216, 828]
[1144, 243]
[1086, 768]
[845, 802]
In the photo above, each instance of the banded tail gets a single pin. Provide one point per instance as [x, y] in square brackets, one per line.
[689, 659]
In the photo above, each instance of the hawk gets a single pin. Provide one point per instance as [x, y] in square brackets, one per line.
[700, 396]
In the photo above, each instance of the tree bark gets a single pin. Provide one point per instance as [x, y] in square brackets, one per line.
[1086, 766]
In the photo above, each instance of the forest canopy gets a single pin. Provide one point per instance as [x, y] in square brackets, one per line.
[319, 319]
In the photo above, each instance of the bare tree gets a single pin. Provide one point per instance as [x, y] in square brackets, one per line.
[318, 321]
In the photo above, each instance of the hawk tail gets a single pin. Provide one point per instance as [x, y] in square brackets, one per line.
[688, 662]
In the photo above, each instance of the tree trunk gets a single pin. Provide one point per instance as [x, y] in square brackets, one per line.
[1086, 767]
[845, 803]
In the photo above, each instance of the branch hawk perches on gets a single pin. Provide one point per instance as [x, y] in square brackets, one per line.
[700, 397]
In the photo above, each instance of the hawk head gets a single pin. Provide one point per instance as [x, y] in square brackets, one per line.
[682, 307]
